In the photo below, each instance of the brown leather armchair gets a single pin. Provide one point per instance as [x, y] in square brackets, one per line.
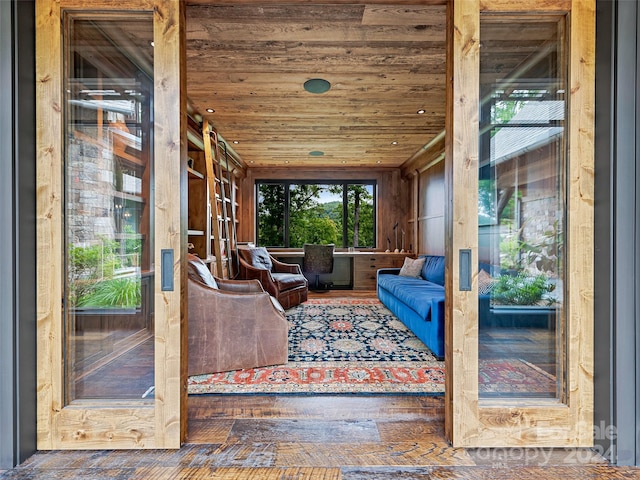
[233, 324]
[284, 281]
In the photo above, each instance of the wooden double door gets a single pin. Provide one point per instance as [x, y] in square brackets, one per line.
[111, 224]
[112, 219]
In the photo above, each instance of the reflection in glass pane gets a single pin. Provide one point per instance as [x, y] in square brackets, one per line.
[108, 226]
[521, 208]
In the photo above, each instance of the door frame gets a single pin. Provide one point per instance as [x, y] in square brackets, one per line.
[89, 424]
[468, 420]
[471, 421]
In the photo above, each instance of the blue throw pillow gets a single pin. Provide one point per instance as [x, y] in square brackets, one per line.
[433, 269]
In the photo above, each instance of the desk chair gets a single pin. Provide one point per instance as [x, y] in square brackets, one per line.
[317, 260]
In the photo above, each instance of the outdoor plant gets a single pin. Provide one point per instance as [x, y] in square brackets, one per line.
[542, 254]
[521, 289]
[87, 264]
[545, 253]
[510, 249]
[91, 277]
[115, 292]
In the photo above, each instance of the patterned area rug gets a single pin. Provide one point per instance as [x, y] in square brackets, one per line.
[346, 330]
[358, 346]
[326, 377]
[339, 345]
[514, 377]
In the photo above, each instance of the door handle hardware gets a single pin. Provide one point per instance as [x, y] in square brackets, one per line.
[465, 270]
[166, 269]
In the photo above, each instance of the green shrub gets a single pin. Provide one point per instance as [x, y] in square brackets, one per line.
[116, 292]
[520, 289]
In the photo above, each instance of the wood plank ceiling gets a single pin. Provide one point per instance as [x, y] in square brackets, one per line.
[249, 62]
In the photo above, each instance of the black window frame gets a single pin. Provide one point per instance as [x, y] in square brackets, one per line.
[287, 184]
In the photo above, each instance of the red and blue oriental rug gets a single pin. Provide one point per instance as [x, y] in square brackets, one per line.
[342, 345]
[339, 345]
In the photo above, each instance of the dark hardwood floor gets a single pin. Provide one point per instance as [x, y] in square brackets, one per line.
[350, 437]
[319, 437]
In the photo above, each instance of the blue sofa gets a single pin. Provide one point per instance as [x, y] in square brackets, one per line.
[417, 302]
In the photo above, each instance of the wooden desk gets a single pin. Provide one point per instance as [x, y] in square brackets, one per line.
[355, 270]
[366, 265]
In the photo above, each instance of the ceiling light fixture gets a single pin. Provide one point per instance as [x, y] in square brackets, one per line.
[394, 143]
[236, 142]
[317, 85]
[421, 111]
[210, 110]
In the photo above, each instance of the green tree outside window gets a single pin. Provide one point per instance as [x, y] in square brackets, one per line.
[292, 214]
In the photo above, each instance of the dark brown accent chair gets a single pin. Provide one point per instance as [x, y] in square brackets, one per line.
[284, 281]
[233, 324]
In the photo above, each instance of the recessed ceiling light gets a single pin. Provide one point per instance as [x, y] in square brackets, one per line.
[317, 85]
[316, 153]
[378, 161]
[421, 111]
[153, 44]
[286, 161]
[236, 142]
[210, 110]
[394, 143]
[344, 161]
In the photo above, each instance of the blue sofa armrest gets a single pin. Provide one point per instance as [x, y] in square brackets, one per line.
[388, 271]
[436, 334]
[392, 271]
[484, 310]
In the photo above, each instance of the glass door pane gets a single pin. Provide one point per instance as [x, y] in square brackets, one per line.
[108, 165]
[522, 207]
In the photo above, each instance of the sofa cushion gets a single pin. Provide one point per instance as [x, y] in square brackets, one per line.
[197, 270]
[485, 282]
[287, 281]
[412, 267]
[492, 270]
[416, 293]
[257, 257]
[433, 269]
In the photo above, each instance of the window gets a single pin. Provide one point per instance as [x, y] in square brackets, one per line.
[523, 208]
[108, 168]
[292, 213]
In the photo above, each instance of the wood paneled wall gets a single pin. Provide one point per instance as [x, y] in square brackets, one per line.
[431, 201]
[425, 175]
[393, 197]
